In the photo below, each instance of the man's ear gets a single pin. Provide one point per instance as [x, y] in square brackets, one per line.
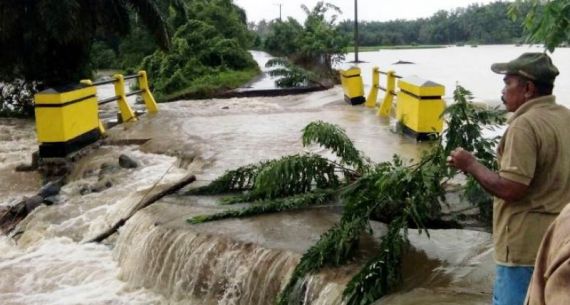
[530, 89]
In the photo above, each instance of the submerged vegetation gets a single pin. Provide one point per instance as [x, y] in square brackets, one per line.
[405, 194]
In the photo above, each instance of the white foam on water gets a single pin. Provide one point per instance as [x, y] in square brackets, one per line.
[60, 271]
[51, 265]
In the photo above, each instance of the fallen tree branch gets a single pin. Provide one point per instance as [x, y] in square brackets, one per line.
[145, 202]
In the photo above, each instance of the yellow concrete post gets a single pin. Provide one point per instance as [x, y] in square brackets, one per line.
[373, 95]
[88, 82]
[149, 101]
[420, 105]
[386, 106]
[352, 86]
[127, 114]
[67, 119]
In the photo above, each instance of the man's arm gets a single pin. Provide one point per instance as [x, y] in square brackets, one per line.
[496, 185]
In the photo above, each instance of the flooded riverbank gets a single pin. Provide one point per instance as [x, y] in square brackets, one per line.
[468, 67]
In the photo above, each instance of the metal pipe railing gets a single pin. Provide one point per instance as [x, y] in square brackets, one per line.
[127, 113]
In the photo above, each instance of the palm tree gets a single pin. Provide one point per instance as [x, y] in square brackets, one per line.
[49, 40]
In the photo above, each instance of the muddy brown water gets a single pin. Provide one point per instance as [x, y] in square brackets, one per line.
[160, 259]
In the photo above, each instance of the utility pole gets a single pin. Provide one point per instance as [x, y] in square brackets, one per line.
[356, 31]
[280, 5]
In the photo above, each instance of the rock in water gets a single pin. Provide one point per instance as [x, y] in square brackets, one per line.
[50, 189]
[107, 168]
[127, 162]
[101, 185]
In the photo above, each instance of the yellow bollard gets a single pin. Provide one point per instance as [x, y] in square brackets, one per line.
[373, 95]
[352, 86]
[149, 101]
[66, 119]
[420, 105]
[127, 113]
[388, 98]
[88, 82]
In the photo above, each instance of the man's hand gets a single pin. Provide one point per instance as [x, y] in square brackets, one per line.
[489, 180]
[461, 159]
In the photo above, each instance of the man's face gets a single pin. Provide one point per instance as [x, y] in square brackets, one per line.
[513, 92]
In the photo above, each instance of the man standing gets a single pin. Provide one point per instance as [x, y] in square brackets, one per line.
[533, 182]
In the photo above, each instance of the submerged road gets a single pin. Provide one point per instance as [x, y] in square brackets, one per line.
[157, 258]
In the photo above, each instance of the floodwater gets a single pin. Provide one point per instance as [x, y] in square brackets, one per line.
[264, 81]
[160, 259]
[466, 66]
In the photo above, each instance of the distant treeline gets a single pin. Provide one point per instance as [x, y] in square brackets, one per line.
[485, 24]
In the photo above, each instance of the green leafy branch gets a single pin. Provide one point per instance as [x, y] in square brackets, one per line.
[394, 192]
[314, 198]
[335, 139]
[546, 22]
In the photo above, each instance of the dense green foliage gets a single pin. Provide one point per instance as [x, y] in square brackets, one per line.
[315, 46]
[60, 42]
[198, 49]
[477, 23]
[546, 22]
[208, 53]
[282, 37]
[211, 84]
[50, 40]
[463, 131]
[402, 193]
[228, 19]
[315, 43]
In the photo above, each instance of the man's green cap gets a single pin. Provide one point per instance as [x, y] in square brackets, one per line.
[537, 67]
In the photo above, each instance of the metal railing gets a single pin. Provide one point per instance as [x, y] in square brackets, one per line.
[118, 80]
[390, 89]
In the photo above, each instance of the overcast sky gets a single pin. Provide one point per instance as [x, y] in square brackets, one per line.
[380, 10]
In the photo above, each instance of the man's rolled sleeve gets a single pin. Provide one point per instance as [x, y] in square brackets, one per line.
[518, 160]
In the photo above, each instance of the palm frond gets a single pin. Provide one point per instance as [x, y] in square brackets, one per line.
[292, 175]
[381, 275]
[334, 138]
[237, 180]
[153, 20]
[112, 16]
[316, 197]
[334, 248]
[61, 18]
[290, 75]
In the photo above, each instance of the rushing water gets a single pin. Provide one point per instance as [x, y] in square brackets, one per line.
[160, 259]
[264, 81]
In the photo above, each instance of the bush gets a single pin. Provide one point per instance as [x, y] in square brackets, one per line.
[102, 57]
[198, 50]
[17, 98]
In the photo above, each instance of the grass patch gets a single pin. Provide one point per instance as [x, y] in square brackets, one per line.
[398, 47]
[211, 84]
